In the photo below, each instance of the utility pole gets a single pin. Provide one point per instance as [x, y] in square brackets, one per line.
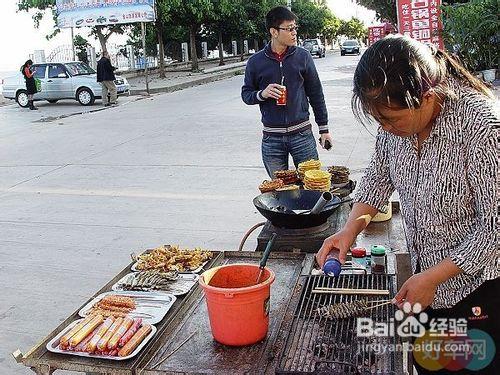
[143, 32]
[73, 45]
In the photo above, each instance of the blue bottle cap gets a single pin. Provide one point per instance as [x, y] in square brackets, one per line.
[332, 267]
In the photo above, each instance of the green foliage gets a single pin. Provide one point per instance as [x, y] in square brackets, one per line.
[385, 9]
[81, 45]
[472, 30]
[353, 29]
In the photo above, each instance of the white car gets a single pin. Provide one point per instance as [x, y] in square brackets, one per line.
[73, 80]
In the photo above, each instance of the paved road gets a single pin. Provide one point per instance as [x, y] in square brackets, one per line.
[78, 194]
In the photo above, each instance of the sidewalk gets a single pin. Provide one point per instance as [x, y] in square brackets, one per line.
[181, 79]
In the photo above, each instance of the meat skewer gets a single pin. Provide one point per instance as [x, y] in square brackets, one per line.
[346, 310]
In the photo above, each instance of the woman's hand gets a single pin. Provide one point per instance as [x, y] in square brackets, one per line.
[419, 288]
[342, 240]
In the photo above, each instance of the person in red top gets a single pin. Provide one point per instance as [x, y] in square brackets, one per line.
[30, 82]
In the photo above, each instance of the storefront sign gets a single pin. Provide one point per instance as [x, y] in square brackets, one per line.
[77, 13]
[421, 20]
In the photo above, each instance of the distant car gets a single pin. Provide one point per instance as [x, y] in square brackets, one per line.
[350, 46]
[315, 47]
[73, 80]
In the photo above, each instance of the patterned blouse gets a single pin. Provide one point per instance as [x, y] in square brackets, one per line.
[448, 194]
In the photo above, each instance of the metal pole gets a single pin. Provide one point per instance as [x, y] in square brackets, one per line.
[73, 44]
[143, 31]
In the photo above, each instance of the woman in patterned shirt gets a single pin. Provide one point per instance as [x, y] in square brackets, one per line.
[437, 146]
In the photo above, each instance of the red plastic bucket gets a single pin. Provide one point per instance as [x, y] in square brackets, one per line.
[238, 308]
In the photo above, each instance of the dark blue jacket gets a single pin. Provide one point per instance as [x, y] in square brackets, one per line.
[105, 71]
[303, 87]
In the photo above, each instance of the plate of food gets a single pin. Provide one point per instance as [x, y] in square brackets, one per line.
[168, 258]
[99, 337]
[151, 307]
[171, 282]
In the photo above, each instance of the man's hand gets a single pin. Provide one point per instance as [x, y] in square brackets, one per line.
[273, 90]
[419, 288]
[325, 137]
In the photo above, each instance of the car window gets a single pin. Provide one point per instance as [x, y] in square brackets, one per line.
[55, 70]
[40, 71]
[310, 42]
[350, 43]
[79, 68]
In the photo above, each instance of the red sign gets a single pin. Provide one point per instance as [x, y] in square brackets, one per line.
[421, 20]
[375, 33]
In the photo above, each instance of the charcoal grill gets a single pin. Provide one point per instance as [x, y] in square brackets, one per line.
[317, 345]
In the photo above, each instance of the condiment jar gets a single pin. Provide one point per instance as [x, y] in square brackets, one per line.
[378, 258]
[358, 258]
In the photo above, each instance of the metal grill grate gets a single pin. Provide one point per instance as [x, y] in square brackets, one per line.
[318, 345]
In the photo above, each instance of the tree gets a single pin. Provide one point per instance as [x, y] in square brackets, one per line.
[312, 16]
[384, 9]
[81, 45]
[354, 29]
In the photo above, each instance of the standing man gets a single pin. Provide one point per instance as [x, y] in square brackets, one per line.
[283, 80]
[106, 76]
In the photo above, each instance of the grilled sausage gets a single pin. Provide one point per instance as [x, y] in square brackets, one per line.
[86, 330]
[135, 340]
[113, 342]
[101, 345]
[91, 346]
[64, 340]
[131, 331]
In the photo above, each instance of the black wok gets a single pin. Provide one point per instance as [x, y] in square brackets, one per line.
[278, 206]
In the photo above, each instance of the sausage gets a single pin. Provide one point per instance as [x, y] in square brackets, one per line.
[81, 346]
[86, 330]
[135, 340]
[126, 323]
[90, 348]
[114, 353]
[128, 335]
[64, 340]
[101, 345]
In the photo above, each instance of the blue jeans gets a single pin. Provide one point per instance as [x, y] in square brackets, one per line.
[276, 148]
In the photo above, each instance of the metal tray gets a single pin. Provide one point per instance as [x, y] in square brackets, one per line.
[53, 345]
[150, 306]
[178, 287]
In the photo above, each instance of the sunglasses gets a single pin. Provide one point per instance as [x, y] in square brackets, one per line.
[289, 29]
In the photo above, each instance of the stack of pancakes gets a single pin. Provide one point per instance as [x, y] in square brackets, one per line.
[307, 166]
[340, 174]
[317, 180]
[288, 176]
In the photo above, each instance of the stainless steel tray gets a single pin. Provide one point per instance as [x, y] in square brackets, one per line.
[53, 345]
[178, 287]
[150, 306]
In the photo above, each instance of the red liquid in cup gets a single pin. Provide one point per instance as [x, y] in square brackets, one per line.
[282, 99]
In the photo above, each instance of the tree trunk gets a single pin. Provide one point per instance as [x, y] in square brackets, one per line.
[192, 39]
[161, 50]
[102, 38]
[221, 51]
[242, 50]
[255, 45]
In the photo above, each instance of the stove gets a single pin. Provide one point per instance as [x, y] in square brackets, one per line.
[306, 240]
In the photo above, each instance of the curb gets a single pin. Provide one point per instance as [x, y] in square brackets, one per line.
[186, 85]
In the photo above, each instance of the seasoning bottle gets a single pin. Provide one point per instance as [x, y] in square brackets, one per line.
[332, 266]
[358, 258]
[378, 258]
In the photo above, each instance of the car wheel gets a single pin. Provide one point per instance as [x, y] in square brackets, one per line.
[85, 96]
[52, 101]
[22, 98]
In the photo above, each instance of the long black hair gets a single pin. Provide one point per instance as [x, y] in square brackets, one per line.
[28, 62]
[397, 71]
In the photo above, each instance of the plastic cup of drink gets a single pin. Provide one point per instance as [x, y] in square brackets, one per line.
[282, 99]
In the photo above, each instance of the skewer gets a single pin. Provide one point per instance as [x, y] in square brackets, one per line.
[374, 292]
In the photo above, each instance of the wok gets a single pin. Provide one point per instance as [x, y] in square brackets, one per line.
[278, 206]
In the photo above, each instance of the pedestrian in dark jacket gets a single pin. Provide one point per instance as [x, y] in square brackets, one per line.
[283, 80]
[106, 76]
[30, 82]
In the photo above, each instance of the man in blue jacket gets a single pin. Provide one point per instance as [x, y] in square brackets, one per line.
[287, 129]
[106, 76]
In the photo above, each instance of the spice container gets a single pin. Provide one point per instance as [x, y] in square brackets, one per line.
[358, 258]
[378, 258]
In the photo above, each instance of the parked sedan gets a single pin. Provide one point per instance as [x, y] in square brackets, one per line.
[350, 46]
[315, 47]
[73, 80]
